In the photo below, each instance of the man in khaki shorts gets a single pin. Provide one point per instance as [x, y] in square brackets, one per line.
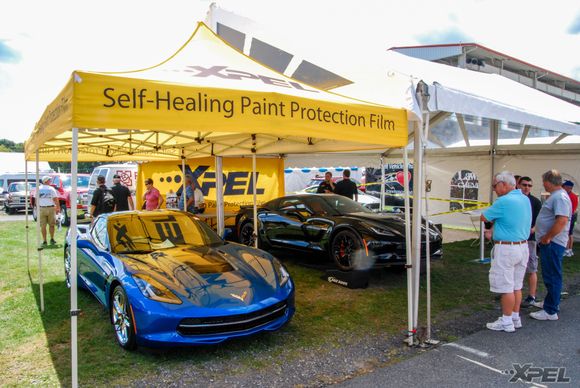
[49, 207]
[511, 214]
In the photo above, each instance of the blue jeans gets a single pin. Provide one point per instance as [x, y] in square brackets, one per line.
[551, 260]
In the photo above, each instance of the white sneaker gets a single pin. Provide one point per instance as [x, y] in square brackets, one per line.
[539, 305]
[498, 325]
[517, 322]
[542, 315]
[566, 253]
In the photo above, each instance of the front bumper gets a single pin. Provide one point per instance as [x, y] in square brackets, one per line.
[168, 330]
[387, 254]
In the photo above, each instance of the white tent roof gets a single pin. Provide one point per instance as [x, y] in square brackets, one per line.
[468, 92]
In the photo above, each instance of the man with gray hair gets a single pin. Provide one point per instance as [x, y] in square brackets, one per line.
[511, 215]
[552, 236]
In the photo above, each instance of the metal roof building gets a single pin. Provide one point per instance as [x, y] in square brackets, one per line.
[476, 57]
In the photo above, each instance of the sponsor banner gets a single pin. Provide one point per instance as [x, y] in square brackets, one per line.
[237, 177]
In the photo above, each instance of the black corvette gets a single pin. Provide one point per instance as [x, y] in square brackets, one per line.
[352, 235]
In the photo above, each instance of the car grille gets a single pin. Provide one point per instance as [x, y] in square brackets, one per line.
[232, 323]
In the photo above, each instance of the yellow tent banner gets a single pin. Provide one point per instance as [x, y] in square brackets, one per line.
[207, 99]
[238, 189]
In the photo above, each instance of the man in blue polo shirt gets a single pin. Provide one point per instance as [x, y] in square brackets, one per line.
[511, 215]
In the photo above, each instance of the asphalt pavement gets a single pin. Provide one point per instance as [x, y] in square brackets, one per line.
[20, 216]
[546, 353]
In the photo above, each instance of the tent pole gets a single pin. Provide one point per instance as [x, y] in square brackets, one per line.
[73, 257]
[183, 192]
[219, 187]
[26, 213]
[427, 234]
[408, 249]
[417, 204]
[39, 248]
[382, 205]
[255, 199]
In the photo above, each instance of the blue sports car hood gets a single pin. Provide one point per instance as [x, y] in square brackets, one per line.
[226, 276]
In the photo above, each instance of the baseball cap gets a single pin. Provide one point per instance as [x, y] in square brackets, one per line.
[568, 183]
[45, 179]
[116, 176]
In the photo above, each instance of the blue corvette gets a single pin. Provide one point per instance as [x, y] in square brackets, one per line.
[167, 279]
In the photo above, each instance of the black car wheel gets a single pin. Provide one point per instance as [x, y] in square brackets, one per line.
[67, 266]
[346, 246]
[66, 221]
[247, 234]
[122, 320]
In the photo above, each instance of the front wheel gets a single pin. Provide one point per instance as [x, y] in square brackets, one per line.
[67, 266]
[247, 236]
[66, 221]
[345, 248]
[122, 320]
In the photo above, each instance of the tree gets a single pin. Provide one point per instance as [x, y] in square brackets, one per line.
[9, 146]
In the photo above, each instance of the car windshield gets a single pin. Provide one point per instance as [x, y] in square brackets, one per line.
[338, 205]
[21, 187]
[148, 232]
[82, 182]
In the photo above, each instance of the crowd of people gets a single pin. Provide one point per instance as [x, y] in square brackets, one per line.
[118, 197]
[520, 225]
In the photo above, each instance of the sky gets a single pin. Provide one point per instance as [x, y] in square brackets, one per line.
[42, 43]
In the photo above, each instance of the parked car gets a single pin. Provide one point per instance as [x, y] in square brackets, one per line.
[127, 172]
[352, 235]
[167, 279]
[17, 198]
[62, 184]
[7, 178]
[364, 199]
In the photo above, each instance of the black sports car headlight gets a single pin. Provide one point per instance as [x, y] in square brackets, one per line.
[281, 273]
[153, 289]
[381, 231]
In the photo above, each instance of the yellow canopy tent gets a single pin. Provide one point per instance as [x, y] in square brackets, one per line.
[206, 99]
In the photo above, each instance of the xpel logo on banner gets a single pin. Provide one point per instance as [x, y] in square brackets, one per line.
[235, 182]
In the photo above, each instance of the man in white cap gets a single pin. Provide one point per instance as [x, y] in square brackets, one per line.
[49, 208]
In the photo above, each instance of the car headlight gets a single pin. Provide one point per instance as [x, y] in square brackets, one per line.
[380, 230]
[281, 273]
[153, 289]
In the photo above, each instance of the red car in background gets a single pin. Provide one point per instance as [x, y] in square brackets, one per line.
[62, 184]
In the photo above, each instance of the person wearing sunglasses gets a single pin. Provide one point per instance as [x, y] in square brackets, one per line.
[511, 215]
[152, 197]
[526, 185]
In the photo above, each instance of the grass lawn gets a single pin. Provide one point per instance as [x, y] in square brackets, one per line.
[34, 346]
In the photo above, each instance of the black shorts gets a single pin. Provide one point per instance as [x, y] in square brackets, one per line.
[572, 223]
